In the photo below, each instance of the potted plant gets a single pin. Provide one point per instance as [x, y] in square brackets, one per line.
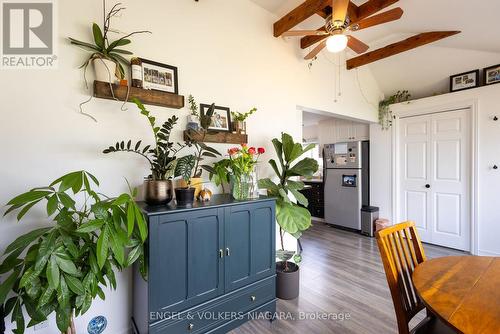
[291, 217]
[184, 168]
[384, 110]
[107, 57]
[161, 157]
[238, 122]
[196, 138]
[63, 268]
[193, 121]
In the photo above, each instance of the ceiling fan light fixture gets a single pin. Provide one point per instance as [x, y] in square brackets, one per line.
[336, 43]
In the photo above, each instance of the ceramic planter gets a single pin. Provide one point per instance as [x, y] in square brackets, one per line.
[158, 192]
[104, 70]
[196, 183]
[287, 282]
[184, 196]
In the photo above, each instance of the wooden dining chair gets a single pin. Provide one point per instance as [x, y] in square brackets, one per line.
[401, 251]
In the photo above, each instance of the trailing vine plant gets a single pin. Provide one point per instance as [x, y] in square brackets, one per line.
[384, 110]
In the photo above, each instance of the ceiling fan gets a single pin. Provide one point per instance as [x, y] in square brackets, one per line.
[333, 35]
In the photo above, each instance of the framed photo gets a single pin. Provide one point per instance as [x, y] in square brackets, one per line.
[157, 76]
[465, 80]
[221, 119]
[492, 75]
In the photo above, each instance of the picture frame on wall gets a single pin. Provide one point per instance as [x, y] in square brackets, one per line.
[221, 119]
[158, 76]
[463, 81]
[491, 75]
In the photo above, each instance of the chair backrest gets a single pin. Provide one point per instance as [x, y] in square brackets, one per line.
[401, 251]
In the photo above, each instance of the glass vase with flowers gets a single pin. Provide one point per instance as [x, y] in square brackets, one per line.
[241, 167]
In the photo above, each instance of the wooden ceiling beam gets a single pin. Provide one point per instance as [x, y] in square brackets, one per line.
[372, 7]
[399, 47]
[298, 15]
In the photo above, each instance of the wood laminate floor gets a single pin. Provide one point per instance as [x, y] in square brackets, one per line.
[341, 275]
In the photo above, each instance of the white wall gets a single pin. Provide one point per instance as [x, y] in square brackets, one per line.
[488, 182]
[225, 54]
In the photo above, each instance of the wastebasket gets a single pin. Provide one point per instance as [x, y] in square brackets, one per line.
[369, 214]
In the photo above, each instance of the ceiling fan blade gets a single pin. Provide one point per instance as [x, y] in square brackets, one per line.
[356, 45]
[304, 33]
[385, 17]
[315, 51]
[340, 8]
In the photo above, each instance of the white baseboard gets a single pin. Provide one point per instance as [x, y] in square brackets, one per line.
[487, 253]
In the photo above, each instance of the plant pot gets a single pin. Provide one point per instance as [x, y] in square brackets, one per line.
[287, 282]
[158, 192]
[193, 123]
[104, 70]
[196, 183]
[239, 127]
[184, 196]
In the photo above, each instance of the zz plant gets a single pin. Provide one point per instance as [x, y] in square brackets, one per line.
[291, 217]
[62, 268]
[160, 156]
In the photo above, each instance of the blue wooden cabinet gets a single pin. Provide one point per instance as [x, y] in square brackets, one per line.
[211, 267]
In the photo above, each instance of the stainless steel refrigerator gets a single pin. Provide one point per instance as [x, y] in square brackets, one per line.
[346, 181]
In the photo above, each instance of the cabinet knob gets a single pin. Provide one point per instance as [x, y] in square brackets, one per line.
[253, 298]
[427, 186]
[495, 167]
[228, 252]
[190, 327]
[221, 253]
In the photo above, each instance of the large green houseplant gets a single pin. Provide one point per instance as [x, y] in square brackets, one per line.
[62, 268]
[292, 218]
[161, 157]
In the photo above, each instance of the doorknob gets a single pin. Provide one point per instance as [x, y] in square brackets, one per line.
[427, 186]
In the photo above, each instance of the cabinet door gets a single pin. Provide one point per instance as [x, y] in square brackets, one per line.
[344, 131]
[361, 131]
[250, 244]
[185, 267]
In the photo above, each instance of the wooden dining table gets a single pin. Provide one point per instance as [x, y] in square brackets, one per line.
[464, 291]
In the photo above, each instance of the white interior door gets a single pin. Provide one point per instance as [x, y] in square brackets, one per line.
[435, 176]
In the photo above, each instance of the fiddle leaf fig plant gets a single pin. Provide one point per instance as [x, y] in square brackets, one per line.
[161, 155]
[64, 267]
[291, 217]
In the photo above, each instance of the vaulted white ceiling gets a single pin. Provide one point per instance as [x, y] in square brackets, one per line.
[426, 70]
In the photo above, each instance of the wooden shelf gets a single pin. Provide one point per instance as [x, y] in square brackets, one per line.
[217, 137]
[151, 97]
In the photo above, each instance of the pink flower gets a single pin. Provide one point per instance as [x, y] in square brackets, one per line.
[243, 145]
[252, 150]
[233, 151]
[261, 150]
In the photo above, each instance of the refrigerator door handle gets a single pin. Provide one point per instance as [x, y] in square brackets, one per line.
[324, 167]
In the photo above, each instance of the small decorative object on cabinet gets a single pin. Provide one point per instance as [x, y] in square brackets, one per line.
[492, 75]
[221, 117]
[76, 255]
[97, 325]
[238, 120]
[205, 195]
[292, 218]
[161, 157]
[464, 81]
[217, 257]
[159, 76]
[107, 56]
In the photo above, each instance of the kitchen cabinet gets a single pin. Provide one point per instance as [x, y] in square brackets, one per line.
[314, 192]
[337, 131]
[213, 258]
